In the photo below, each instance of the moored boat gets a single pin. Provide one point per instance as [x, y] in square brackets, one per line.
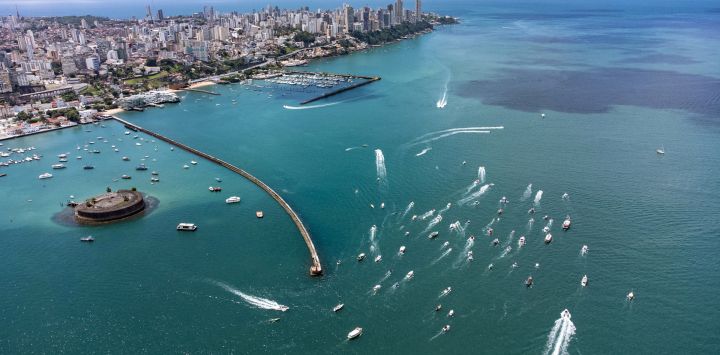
[88, 167]
[232, 199]
[259, 214]
[186, 227]
[433, 235]
[355, 333]
[58, 166]
[45, 176]
[214, 189]
[566, 223]
[361, 257]
[548, 238]
[88, 239]
[338, 307]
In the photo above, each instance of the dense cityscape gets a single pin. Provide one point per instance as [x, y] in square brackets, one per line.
[60, 71]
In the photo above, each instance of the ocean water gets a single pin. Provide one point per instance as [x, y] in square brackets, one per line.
[614, 84]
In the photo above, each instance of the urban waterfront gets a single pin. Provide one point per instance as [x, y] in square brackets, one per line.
[614, 86]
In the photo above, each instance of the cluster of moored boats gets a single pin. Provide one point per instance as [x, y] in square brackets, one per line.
[310, 79]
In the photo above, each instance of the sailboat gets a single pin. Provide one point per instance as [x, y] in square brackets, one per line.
[660, 151]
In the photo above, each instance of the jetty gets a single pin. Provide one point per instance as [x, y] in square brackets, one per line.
[315, 268]
[202, 91]
[368, 80]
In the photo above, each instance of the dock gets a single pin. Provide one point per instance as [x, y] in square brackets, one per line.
[368, 80]
[316, 267]
[203, 91]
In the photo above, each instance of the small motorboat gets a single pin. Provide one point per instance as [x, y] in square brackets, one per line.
[402, 250]
[141, 167]
[218, 179]
[214, 189]
[521, 242]
[361, 257]
[88, 167]
[3, 174]
[409, 275]
[584, 250]
[355, 333]
[382, 204]
[232, 199]
[378, 258]
[338, 307]
[372, 205]
[660, 151]
[126, 177]
[190, 227]
[407, 233]
[548, 238]
[155, 173]
[490, 231]
[154, 179]
[125, 159]
[259, 214]
[529, 281]
[376, 288]
[186, 166]
[58, 166]
[631, 296]
[88, 239]
[438, 308]
[451, 313]
[79, 157]
[584, 281]
[445, 291]
[445, 244]
[495, 242]
[500, 211]
[127, 133]
[504, 200]
[433, 235]
[531, 210]
[565, 314]
[491, 266]
[565, 196]
[193, 162]
[566, 223]
[546, 229]
[45, 176]
[470, 255]
[446, 328]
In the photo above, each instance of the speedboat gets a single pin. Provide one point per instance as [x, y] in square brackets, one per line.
[567, 223]
[500, 211]
[376, 288]
[88, 239]
[193, 162]
[45, 176]
[491, 266]
[382, 204]
[361, 257]
[126, 177]
[631, 296]
[338, 307]
[218, 179]
[214, 189]
[445, 244]
[378, 258]
[521, 242]
[155, 173]
[548, 238]
[490, 231]
[565, 314]
[529, 281]
[584, 250]
[232, 199]
[565, 196]
[78, 157]
[58, 166]
[584, 281]
[508, 249]
[531, 210]
[504, 200]
[127, 133]
[438, 308]
[546, 229]
[433, 235]
[154, 179]
[446, 328]
[402, 250]
[355, 333]
[446, 291]
[372, 205]
[410, 275]
[495, 241]
[451, 313]
[186, 227]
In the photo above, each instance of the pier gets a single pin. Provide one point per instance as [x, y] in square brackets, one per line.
[315, 268]
[202, 91]
[368, 80]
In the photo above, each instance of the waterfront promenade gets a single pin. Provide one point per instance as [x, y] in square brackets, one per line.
[316, 267]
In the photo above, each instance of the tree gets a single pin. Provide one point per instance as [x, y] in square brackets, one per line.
[69, 96]
[151, 62]
[23, 116]
[305, 37]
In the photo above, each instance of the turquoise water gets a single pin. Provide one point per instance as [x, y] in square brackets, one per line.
[614, 86]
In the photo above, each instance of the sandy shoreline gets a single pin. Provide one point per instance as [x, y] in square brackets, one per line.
[200, 84]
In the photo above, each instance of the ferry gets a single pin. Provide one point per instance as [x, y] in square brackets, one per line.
[361, 257]
[338, 307]
[214, 189]
[567, 223]
[58, 166]
[126, 177]
[355, 333]
[232, 199]
[186, 227]
[88, 239]
[259, 214]
[548, 238]
[45, 176]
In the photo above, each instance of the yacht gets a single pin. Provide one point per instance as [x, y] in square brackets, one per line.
[62, 156]
[378, 258]
[127, 133]
[3, 174]
[155, 173]
[446, 328]
[548, 238]
[584, 250]
[232, 199]
[446, 291]
[88, 239]
[410, 275]
[186, 227]
[355, 333]
[338, 307]
[214, 189]
[529, 281]
[45, 176]
[521, 242]
[402, 250]
[259, 214]
[433, 235]
[361, 257]
[565, 314]
[584, 281]
[567, 223]
[58, 166]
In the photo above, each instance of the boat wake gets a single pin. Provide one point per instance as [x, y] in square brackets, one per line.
[434, 222]
[407, 209]
[538, 197]
[423, 152]
[447, 207]
[373, 243]
[258, 302]
[559, 337]
[288, 107]
[443, 101]
[481, 174]
[475, 195]
[433, 136]
[443, 255]
[351, 148]
[427, 214]
[528, 192]
[380, 164]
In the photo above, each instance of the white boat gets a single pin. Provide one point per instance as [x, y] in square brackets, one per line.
[433, 235]
[186, 166]
[410, 275]
[584, 281]
[660, 151]
[125, 159]
[45, 176]
[446, 291]
[378, 258]
[355, 333]
[567, 223]
[565, 314]
[382, 204]
[193, 162]
[584, 250]
[445, 244]
[446, 328]
[548, 238]
[62, 156]
[521, 242]
[402, 250]
[470, 255]
[58, 166]
[232, 199]
[186, 227]
[451, 313]
[361, 257]
[631, 296]
[127, 133]
[338, 307]
[376, 288]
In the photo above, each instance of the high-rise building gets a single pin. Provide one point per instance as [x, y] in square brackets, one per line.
[160, 15]
[399, 12]
[418, 10]
[92, 63]
[149, 15]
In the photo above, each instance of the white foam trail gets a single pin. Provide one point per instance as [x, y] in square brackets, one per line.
[427, 214]
[373, 243]
[422, 152]
[450, 134]
[387, 274]
[444, 254]
[435, 133]
[443, 101]
[472, 186]
[481, 174]
[288, 107]
[258, 302]
[433, 222]
[528, 192]
[559, 337]
[380, 164]
[351, 148]
[475, 195]
[407, 210]
[538, 197]
[447, 207]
